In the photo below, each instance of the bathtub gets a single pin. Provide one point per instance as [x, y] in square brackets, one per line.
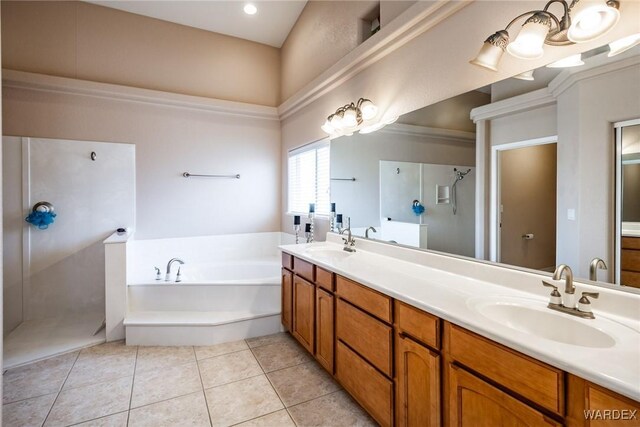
[225, 294]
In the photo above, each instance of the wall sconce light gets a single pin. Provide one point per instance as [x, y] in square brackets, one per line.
[582, 21]
[351, 118]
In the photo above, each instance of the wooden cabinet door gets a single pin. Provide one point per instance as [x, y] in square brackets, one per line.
[324, 329]
[304, 301]
[287, 298]
[418, 384]
[475, 403]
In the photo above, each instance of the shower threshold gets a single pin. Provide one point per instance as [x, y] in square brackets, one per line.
[42, 338]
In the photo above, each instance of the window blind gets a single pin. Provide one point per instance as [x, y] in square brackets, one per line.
[308, 179]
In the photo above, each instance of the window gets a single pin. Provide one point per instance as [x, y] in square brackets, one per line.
[309, 180]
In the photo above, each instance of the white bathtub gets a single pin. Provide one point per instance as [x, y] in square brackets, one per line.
[225, 294]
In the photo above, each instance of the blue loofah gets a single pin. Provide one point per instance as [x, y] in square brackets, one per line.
[42, 220]
[418, 209]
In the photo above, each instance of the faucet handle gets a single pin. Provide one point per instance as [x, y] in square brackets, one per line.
[584, 305]
[158, 277]
[554, 298]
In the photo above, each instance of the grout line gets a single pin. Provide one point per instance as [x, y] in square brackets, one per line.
[221, 354]
[255, 418]
[62, 387]
[133, 380]
[29, 398]
[206, 403]
[99, 418]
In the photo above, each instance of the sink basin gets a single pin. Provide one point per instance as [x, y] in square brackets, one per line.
[534, 318]
[329, 253]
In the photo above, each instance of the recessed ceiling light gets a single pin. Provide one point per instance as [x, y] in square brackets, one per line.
[250, 9]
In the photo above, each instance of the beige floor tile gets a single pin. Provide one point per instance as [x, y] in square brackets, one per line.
[160, 357]
[280, 355]
[269, 339]
[37, 379]
[190, 410]
[165, 383]
[26, 413]
[220, 349]
[102, 363]
[336, 409]
[115, 420]
[227, 368]
[302, 382]
[241, 401]
[275, 419]
[80, 404]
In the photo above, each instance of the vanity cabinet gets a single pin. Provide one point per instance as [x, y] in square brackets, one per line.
[630, 261]
[407, 367]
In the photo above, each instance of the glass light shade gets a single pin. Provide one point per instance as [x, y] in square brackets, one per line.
[350, 118]
[528, 44]
[569, 61]
[623, 44]
[391, 120]
[336, 122]
[369, 109]
[488, 57]
[591, 19]
[250, 9]
[327, 128]
[372, 128]
[527, 75]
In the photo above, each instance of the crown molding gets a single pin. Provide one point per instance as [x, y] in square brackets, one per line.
[45, 83]
[517, 104]
[596, 66]
[429, 132]
[410, 24]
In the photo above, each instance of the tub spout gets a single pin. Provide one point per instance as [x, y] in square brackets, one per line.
[167, 277]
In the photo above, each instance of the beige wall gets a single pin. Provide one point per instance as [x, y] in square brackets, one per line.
[170, 141]
[452, 113]
[89, 42]
[528, 205]
[324, 33]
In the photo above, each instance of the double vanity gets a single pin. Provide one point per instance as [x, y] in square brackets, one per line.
[424, 339]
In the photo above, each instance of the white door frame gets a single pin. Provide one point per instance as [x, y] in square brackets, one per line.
[618, 206]
[494, 206]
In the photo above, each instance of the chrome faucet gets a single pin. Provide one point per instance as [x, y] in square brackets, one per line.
[167, 277]
[596, 263]
[569, 306]
[366, 232]
[349, 241]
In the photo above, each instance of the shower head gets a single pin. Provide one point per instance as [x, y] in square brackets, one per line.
[459, 174]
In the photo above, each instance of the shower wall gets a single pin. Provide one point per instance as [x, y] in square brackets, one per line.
[60, 270]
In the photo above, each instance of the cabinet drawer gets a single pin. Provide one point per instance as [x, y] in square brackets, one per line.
[367, 299]
[630, 278]
[531, 379]
[473, 402]
[631, 243]
[418, 324]
[304, 269]
[368, 336]
[369, 387]
[630, 260]
[324, 279]
[287, 261]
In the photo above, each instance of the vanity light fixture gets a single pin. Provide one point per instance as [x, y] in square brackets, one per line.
[623, 44]
[569, 61]
[581, 21]
[527, 75]
[351, 118]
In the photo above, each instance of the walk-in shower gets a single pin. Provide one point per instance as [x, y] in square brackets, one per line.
[459, 177]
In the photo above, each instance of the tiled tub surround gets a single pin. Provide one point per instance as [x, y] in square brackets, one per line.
[230, 289]
[446, 286]
[267, 381]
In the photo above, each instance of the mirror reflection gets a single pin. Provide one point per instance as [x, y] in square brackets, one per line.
[543, 192]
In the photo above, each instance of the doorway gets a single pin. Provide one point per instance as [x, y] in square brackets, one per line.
[525, 209]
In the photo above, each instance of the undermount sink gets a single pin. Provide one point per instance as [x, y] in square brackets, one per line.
[534, 318]
[329, 253]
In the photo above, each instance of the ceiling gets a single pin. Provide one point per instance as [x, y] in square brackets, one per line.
[270, 25]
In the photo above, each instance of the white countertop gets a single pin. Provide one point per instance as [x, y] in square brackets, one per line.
[450, 290]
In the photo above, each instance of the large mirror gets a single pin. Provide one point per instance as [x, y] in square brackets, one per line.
[523, 172]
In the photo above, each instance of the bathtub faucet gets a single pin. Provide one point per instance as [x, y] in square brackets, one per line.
[167, 278]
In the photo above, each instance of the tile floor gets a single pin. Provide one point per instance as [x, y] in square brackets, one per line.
[265, 381]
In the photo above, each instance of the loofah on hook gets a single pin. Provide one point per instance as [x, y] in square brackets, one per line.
[41, 219]
[417, 207]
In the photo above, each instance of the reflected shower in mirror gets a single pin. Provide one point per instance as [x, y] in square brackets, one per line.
[542, 194]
